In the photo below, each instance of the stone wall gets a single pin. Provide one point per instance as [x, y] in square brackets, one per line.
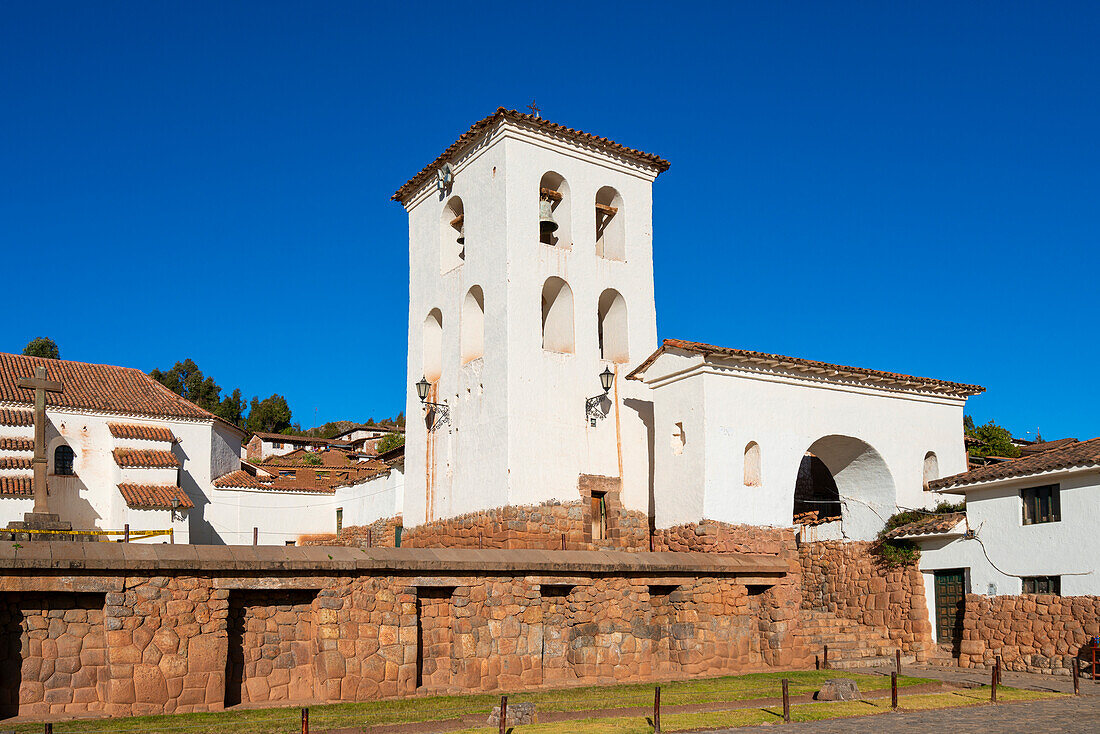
[183, 628]
[1036, 633]
[379, 534]
[848, 580]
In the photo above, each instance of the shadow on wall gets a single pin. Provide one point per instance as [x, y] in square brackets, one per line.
[644, 409]
[864, 484]
[199, 529]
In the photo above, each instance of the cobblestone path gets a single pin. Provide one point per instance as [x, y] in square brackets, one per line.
[1069, 715]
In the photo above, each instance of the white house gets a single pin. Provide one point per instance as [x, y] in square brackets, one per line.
[1030, 527]
[263, 445]
[531, 273]
[122, 450]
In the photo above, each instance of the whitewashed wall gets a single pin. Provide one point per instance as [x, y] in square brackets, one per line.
[725, 408]
[377, 498]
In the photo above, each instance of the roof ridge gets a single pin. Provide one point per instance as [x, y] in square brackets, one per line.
[1061, 457]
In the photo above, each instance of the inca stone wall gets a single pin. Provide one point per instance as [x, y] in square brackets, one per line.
[1036, 633]
[379, 534]
[53, 655]
[847, 579]
[144, 629]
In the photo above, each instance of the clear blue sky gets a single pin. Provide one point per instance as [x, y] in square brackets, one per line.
[904, 186]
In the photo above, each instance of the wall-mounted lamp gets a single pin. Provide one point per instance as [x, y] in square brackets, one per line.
[592, 404]
[442, 410]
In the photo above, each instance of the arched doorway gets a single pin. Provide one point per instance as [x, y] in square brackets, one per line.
[847, 483]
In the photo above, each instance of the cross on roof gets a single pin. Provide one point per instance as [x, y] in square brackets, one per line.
[41, 386]
[534, 109]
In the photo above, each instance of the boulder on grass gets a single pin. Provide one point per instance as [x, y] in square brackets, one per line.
[838, 689]
[518, 713]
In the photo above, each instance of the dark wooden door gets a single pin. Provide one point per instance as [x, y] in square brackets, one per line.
[950, 599]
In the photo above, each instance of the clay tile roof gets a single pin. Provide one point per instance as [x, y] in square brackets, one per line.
[288, 438]
[1038, 448]
[238, 479]
[15, 462]
[933, 525]
[16, 487]
[483, 125]
[809, 366]
[146, 458]
[16, 417]
[16, 444]
[1080, 454]
[137, 431]
[100, 387]
[154, 496]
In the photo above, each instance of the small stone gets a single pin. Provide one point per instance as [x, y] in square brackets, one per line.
[838, 689]
[518, 714]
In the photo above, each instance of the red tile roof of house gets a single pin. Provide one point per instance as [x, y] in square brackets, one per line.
[16, 444]
[140, 432]
[932, 525]
[146, 458]
[1038, 448]
[808, 366]
[15, 462]
[1082, 454]
[243, 480]
[483, 125]
[238, 479]
[154, 496]
[99, 387]
[16, 417]
[16, 487]
[291, 438]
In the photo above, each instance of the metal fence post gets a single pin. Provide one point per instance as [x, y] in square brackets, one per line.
[786, 702]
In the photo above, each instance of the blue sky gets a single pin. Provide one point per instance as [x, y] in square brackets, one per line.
[904, 186]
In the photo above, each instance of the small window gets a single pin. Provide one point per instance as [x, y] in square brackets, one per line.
[554, 217]
[452, 235]
[599, 516]
[397, 536]
[339, 519]
[287, 473]
[557, 316]
[752, 464]
[610, 237]
[63, 457]
[1043, 585]
[931, 468]
[1041, 504]
[291, 543]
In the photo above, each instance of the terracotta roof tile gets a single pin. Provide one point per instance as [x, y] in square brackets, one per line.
[1038, 448]
[15, 462]
[481, 126]
[154, 496]
[138, 431]
[100, 387]
[16, 487]
[933, 525]
[16, 444]
[807, 365]
[238, 479]
[146, 458]
[289, 438]
[243, 480]
[1079, 454]
[16, 417]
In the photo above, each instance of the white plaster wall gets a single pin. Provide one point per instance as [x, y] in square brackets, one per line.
[785, 415]
[377, 498]
[518, 432]
[1065, 548]
[280, 516]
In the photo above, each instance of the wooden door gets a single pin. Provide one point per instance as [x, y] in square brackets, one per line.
[950, 602]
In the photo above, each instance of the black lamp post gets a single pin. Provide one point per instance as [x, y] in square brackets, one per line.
[442, 410]
[592, 405]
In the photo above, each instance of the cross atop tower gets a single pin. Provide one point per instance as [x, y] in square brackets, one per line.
[41, 386]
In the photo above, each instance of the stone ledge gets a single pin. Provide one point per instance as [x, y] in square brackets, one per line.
[69, 556]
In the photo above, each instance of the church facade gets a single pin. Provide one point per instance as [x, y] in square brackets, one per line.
[548, 407]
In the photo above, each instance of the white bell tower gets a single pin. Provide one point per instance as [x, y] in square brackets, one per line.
[512, 320]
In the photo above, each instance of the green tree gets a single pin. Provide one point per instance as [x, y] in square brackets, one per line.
[232, 408]
[42, 346]
[390, 441]
[270, 415]
[995, 440]
[187, 380]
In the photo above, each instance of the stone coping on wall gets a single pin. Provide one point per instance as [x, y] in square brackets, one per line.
[55, 555]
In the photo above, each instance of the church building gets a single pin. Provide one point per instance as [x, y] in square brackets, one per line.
[548, 406]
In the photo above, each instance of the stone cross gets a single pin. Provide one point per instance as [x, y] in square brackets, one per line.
[40, 385]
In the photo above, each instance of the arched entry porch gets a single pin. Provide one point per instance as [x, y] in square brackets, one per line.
[848, 484]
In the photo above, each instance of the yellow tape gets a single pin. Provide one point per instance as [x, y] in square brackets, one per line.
[133, 533]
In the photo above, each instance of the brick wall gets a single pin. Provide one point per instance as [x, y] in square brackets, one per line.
[198, 635]
[847, 579]
[1036, 633]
